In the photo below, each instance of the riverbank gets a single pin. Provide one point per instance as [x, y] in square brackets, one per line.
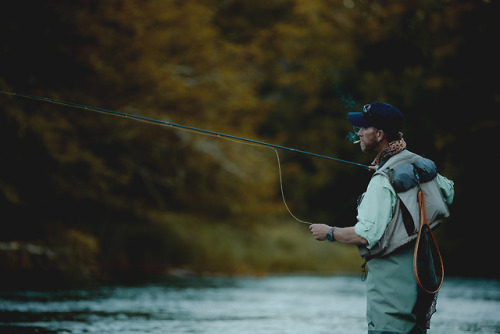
[172, 245]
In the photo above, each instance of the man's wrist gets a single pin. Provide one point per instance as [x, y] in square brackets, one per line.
[330, 236]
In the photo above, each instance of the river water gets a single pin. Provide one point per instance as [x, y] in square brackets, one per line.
[270, 305]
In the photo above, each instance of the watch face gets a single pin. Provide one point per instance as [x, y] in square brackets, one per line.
[329, 236]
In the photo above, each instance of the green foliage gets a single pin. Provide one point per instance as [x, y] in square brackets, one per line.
[286, 71]
[272, 246]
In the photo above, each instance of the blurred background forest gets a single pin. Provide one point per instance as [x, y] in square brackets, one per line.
[88, 197]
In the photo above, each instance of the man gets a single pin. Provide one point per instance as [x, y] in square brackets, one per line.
[388, 220]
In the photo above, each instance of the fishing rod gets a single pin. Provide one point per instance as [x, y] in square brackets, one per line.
[174, 125]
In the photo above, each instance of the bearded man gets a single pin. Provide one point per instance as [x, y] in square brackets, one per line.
[387, 222]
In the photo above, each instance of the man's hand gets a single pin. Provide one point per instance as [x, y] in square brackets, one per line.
[319, 231]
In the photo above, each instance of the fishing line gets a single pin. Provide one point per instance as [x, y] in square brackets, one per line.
[280, 177]
[240, 140]
[283, 193]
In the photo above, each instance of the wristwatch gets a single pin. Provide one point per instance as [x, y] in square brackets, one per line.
[329, 235]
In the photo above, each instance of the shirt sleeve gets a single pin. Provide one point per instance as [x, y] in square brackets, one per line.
[375, 210]
[447, 188]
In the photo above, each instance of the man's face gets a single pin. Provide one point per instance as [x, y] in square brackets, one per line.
[369, 139]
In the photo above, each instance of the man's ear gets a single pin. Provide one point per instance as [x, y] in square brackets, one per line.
[380, 135]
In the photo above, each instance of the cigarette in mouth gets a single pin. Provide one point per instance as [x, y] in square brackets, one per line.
[357, 141]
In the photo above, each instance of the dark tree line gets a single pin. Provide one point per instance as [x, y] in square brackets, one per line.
[284, 71]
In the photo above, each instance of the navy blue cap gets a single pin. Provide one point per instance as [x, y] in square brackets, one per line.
[382, 116]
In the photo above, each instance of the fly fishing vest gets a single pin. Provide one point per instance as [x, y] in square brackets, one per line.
[408, 172]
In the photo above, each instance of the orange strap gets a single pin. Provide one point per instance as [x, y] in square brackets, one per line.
[425, 225]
